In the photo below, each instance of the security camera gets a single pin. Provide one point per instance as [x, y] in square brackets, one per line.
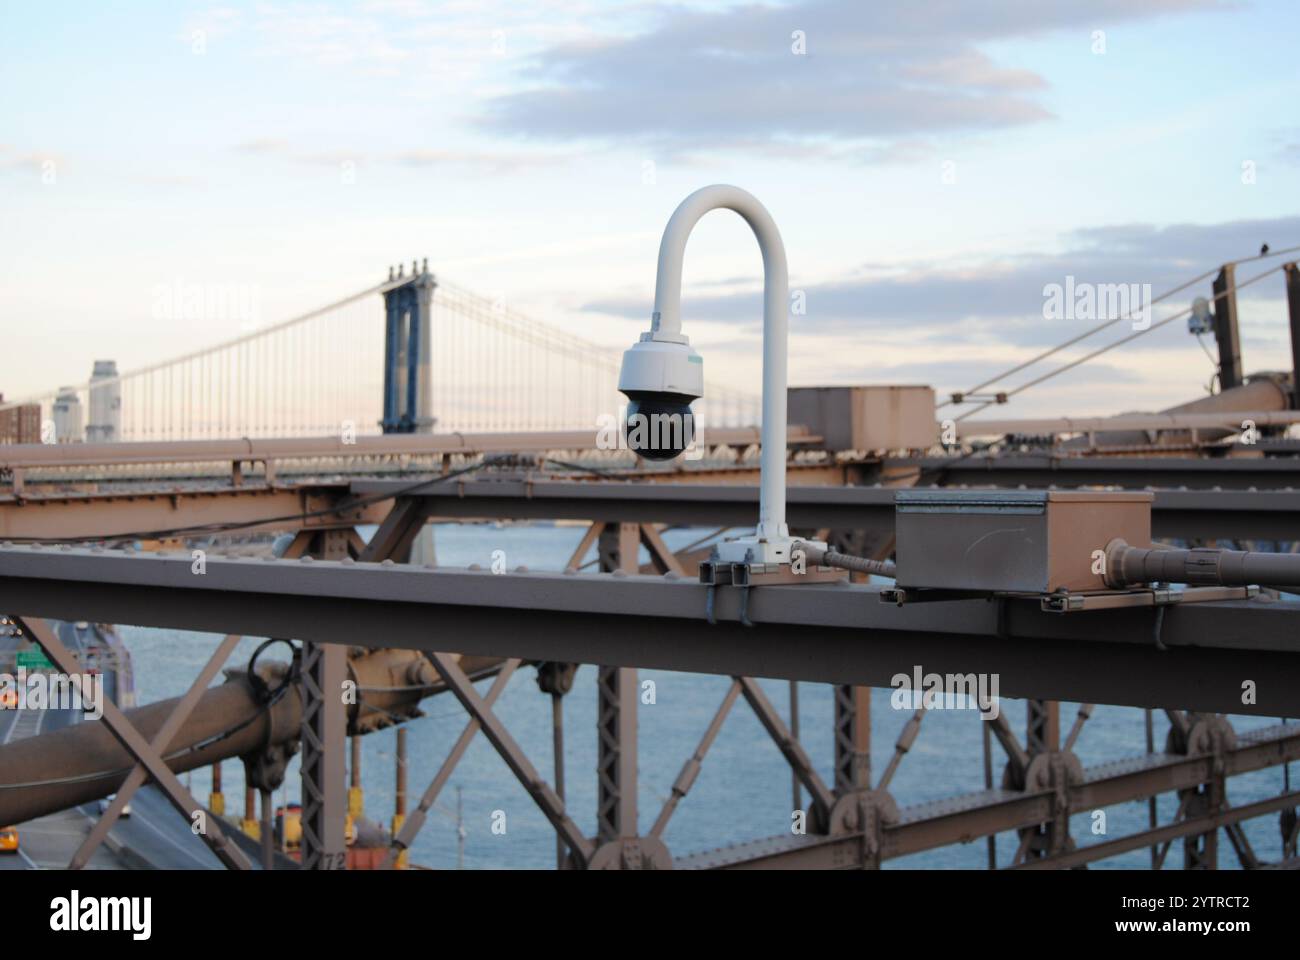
[1200, 321]
[660, 378]
[661, 374]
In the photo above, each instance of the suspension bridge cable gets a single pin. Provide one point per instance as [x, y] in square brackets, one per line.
[1097, 329]
[379, 288]
[498, 368]
[1118, 343]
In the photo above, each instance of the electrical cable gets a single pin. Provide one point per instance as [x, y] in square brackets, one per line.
[265, 695]
[825, 557]
[1210, 356]
[579, 467]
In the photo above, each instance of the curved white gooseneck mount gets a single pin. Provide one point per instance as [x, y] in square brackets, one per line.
[771, 540]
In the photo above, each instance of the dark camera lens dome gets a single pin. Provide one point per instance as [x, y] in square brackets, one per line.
[659, 426]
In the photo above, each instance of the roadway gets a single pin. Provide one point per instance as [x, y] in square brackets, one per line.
[155, 836]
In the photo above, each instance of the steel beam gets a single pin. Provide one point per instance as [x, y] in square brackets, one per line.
[324, 729]
[1207, 514]
[1267, 512]
[1043, 727]
[159, 744]
[140, 749]
[852, 739]
[1043, 737]
[959, 819]
[618, 548]
[545, 797]
[165, 507]
[405, 836]
[393, 539]
[810, 632]
[822, 796]
[324, 732]
[18, 456]
[1230, 420]
[691, 769]
[1226, 329]
[1141, 473]
[906, 737]
[1185, 828]
[1292, 274]
[616, 772]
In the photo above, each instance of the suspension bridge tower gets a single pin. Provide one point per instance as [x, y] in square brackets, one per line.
[408, 385]
[408, 369]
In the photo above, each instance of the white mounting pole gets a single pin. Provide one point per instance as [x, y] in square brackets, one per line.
[666, 325]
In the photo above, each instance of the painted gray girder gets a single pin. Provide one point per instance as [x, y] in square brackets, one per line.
[831, 633]
[1234, 514]
[1134, 472]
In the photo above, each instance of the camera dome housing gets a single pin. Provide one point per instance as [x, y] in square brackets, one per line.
[659, 426]
[660, 378]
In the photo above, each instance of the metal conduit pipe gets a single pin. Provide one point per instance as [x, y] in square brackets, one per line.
[825, 557]
[667, 324]
[1128, 566]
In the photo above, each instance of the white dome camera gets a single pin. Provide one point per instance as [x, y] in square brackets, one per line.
[660, 379]
[661, 373]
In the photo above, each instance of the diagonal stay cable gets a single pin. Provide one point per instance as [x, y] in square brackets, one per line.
[1109, 323]
[1118, 343]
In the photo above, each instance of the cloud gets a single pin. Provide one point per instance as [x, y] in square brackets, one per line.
[1003, 298]
[445, 42]
[266, 145]
[30, 161]
[213, 23]
[270, 148]
[321, 36]
[1290, 151]
[873, 73]
[482, 162]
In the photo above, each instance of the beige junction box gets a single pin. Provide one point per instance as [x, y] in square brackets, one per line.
[1013, 541]
[866, 418]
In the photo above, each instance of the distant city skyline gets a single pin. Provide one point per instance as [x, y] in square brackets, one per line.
[931, 173]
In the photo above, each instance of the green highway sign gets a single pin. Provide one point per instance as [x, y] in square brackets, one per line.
[34, 659]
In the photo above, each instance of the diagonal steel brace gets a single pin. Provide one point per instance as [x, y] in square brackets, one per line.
[822, 797]
[406, 836]
[551, 805]
[136, 745]
[691, 769]
[161, 741]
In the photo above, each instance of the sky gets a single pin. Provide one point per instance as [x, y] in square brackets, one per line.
[931, 166]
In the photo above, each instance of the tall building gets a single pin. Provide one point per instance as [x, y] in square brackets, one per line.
[20, 423]
[67, 416]
[105, 424]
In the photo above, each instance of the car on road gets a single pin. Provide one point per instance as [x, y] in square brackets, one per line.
[103, 806]
[8, 839]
